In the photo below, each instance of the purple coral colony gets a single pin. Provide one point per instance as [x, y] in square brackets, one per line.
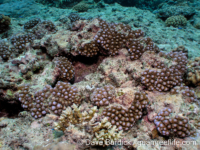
[99, 75]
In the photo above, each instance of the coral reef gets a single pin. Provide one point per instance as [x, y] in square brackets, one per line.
[137, 47]
[42, 28]
[109, 38]
[75, 77]
[99, 36]
[37, 104]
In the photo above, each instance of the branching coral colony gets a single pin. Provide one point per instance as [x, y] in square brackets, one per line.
[104, 118]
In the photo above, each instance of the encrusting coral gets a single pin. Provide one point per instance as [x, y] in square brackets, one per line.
[63, 95]
[168, 126]
[74, 17]
[125, 118]
[186, 93]
[31, 23]
[66, 68]
[5, 51]
[168, 77]
[49, 99]
[103, 96]
[20, 41]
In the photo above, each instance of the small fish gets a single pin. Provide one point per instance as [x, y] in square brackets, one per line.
[179, 28]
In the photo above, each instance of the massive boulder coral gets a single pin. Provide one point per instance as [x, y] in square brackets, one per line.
[193, 74]
[81, 7]
[4, 23]
[176, 21]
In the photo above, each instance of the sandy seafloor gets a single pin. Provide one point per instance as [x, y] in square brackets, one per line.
[23, 132]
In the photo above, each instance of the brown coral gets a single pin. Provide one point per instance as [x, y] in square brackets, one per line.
[125, 118]
[103, 96]
[168, 126]
[193, 74]
[20, 41]
[5, 51]
[4, 23]
[63, 95]
[176, 21]
[167, 78]
[81, 7]
[66, 68]
[31, 23]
